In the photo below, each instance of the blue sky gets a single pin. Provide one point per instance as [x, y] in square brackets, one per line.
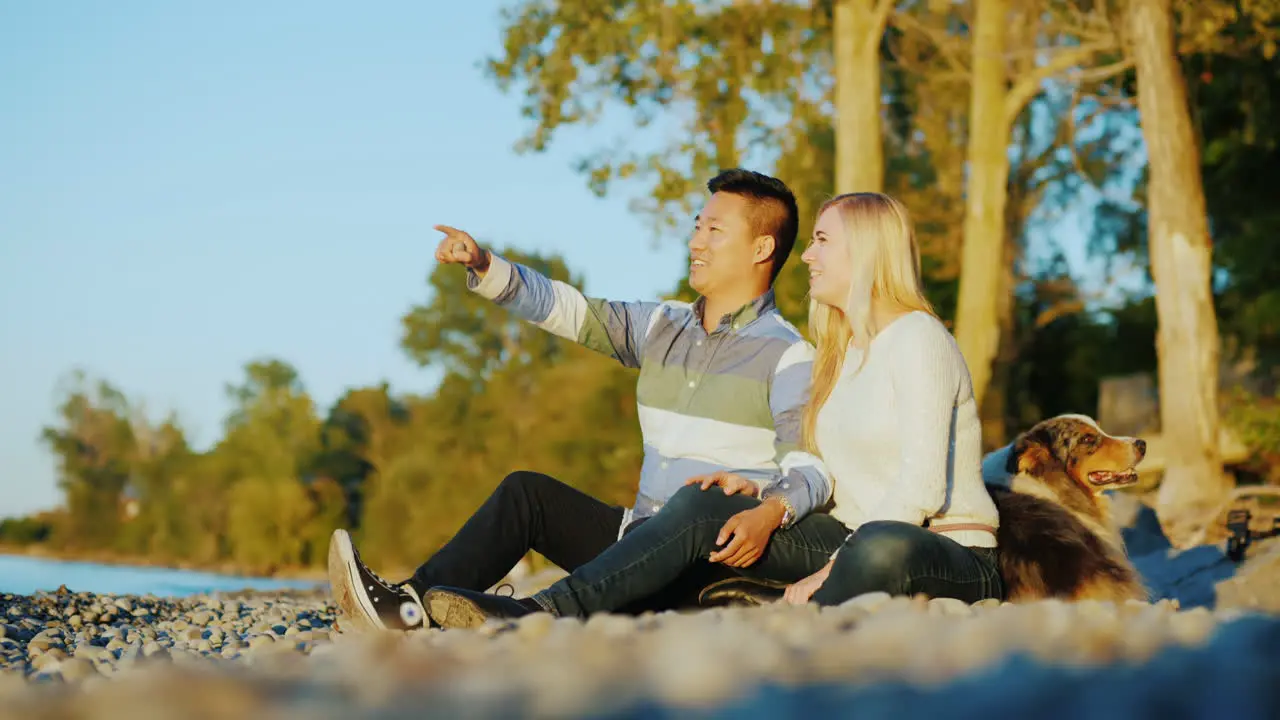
[187, 186]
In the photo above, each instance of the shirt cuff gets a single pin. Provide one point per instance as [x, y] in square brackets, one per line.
[794, 487]
[495, 280]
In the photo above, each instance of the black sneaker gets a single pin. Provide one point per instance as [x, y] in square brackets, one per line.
[459, 608]
[365, 600]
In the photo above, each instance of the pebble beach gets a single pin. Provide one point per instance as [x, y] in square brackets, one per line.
[67, 654]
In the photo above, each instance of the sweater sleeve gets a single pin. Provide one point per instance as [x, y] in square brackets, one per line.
[926, 382]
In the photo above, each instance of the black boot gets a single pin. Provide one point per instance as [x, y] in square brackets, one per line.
[741, 591]
[451, 607]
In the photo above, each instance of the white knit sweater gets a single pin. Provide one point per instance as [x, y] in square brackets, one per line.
[901, 436]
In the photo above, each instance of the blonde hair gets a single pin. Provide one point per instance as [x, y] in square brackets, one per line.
[886, 266]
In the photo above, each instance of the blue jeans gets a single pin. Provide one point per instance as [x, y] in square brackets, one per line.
[893, 557]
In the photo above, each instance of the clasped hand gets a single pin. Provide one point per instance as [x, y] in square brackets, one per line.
[747, 532]
[750, 530]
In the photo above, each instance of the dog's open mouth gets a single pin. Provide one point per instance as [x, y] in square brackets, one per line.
[1112, 478]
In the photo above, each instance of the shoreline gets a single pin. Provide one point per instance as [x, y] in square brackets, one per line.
[35, 552]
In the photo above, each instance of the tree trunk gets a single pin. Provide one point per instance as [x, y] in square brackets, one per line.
[859, 26]
[1181, 250]
[982, 257]
[995, 408]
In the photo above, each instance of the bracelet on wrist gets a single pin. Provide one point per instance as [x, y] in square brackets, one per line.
[788, 510]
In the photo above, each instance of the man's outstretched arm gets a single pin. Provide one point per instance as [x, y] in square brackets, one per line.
[616, 329]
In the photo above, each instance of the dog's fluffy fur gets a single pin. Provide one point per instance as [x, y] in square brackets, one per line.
[1056, 536]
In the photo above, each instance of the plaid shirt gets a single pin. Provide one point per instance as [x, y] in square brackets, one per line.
[730, 400]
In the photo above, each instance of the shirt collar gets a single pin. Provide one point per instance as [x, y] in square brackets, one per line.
[742, 316]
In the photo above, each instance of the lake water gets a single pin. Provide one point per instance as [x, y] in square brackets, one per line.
[26, 575]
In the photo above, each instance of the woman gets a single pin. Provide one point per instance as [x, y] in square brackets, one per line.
[893, 417]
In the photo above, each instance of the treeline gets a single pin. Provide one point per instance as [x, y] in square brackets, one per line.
[787, 81]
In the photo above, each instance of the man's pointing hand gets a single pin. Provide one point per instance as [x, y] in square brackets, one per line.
[458, 247]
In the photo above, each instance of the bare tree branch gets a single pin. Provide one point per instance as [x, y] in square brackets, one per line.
[938, 37]
[1102, 72]
[880, 17]
[1102, 104]
[1028, 86]
[1059, 309]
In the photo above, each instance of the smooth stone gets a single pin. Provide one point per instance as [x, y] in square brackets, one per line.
[49, 659]
[258, 641]
[76, 668]
[535, 626]
[949, 606]
[607, 624]
[868, 601]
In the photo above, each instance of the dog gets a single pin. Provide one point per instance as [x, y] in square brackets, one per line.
[1056, 536]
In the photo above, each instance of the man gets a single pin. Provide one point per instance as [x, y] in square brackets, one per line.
[720, 393]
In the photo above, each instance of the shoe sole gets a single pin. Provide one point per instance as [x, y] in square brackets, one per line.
[450, 611]
[343, 578]
[742, 592]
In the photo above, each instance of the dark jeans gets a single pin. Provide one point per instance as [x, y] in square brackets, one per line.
[898, 558]
[904, 559]
[532, 511]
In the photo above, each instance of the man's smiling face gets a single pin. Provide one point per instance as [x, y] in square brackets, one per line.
[721, 250]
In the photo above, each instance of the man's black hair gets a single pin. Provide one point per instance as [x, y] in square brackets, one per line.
[773, 211]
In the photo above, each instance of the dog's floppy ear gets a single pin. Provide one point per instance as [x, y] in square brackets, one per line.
[1030, 453]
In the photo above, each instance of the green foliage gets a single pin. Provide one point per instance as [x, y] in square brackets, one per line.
[25, 531]
[730, 70]
[1256, 418]
[1237, 103]
[94, 448]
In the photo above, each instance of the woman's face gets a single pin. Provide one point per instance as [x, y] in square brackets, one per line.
[830, 261]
